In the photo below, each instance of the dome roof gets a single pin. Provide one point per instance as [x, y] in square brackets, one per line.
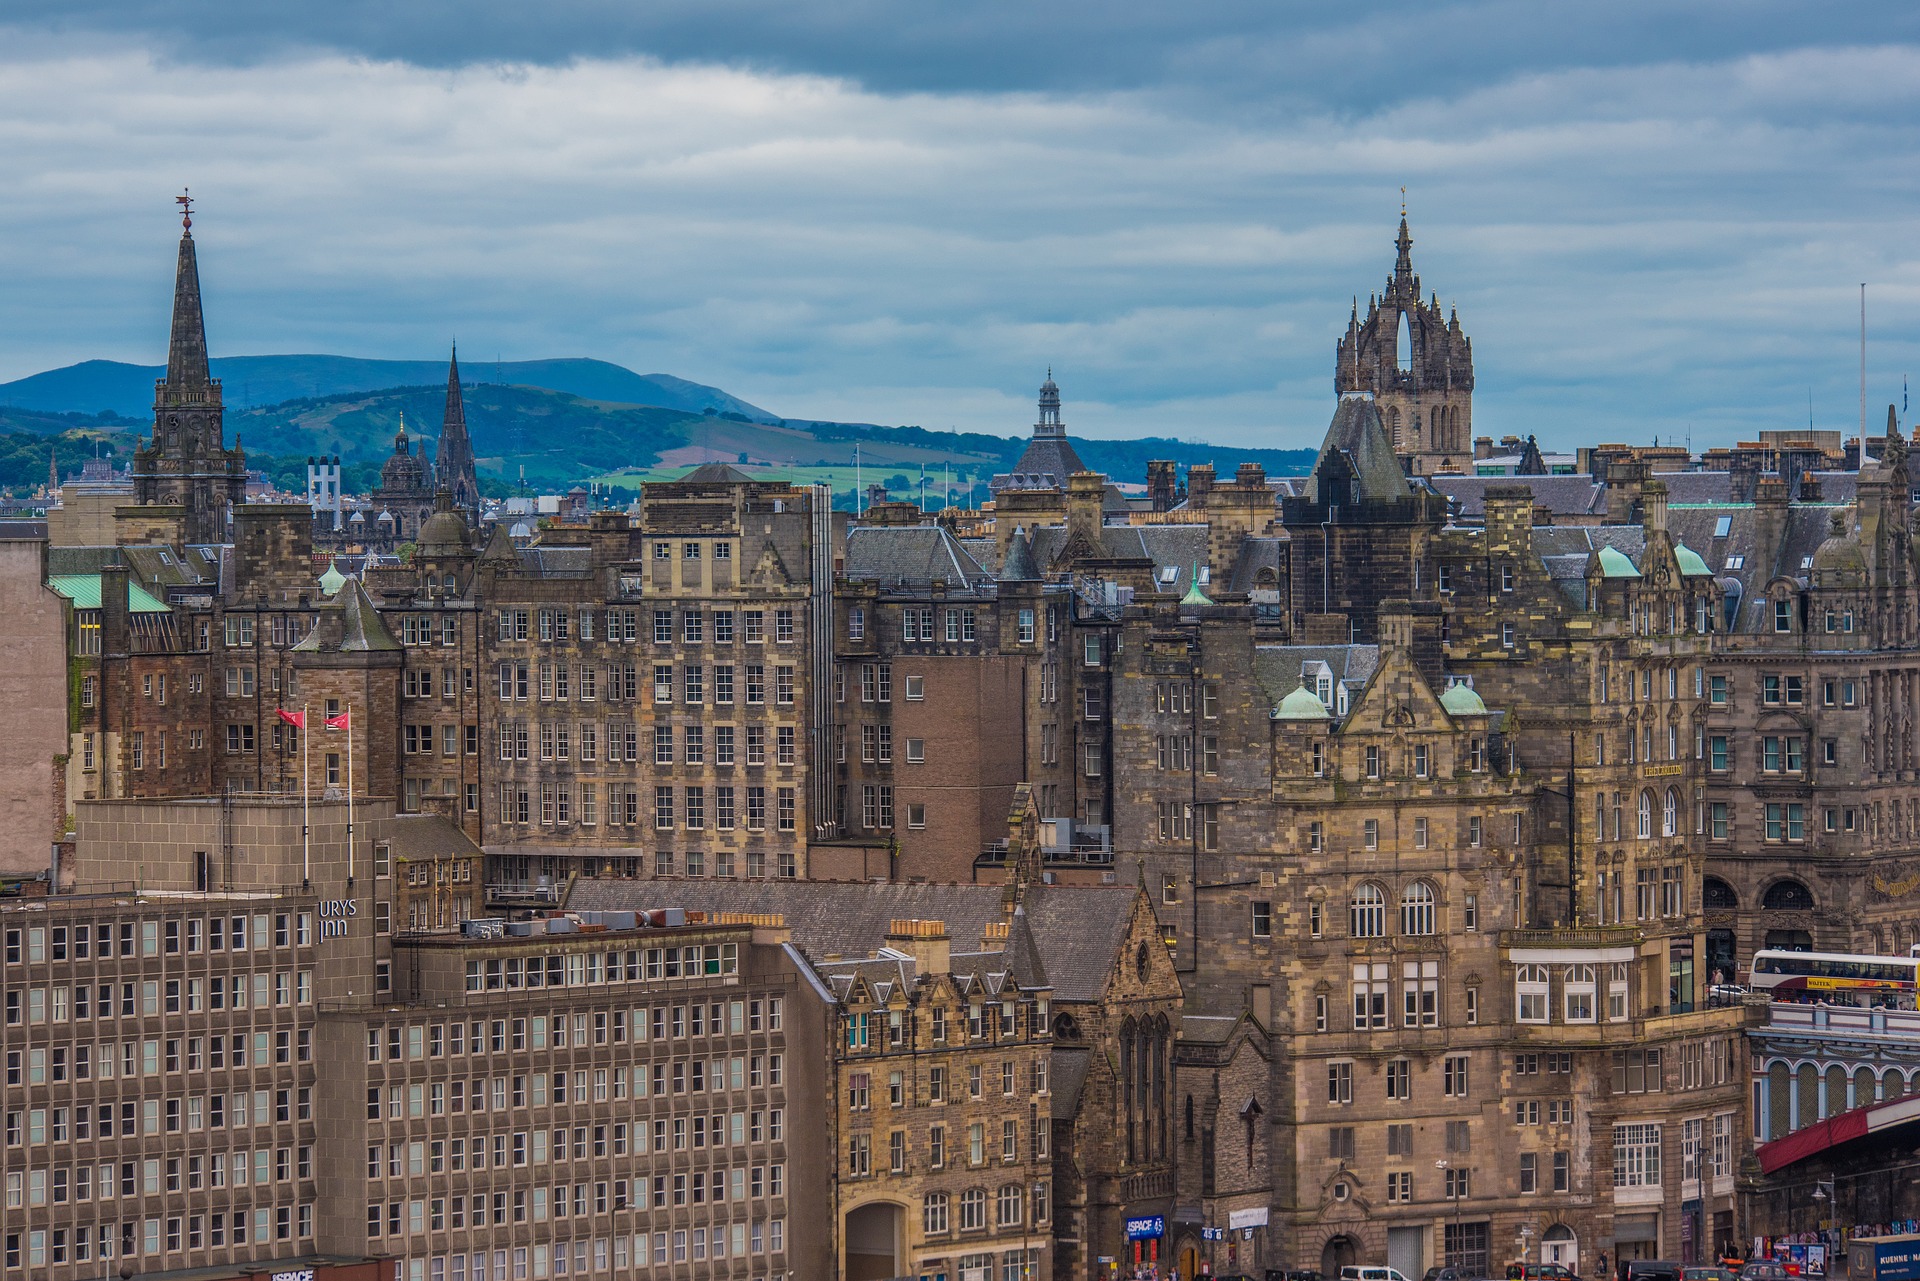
[1301, 705]
[333, 580]
[1460, 700]
[1839, 555]
[445, 532]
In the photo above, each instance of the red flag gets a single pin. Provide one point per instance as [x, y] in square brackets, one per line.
[341, 721]
[296, 719]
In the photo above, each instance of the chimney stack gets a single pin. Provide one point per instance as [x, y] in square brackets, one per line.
[925, 941]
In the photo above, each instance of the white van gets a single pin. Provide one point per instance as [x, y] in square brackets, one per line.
[1366, 1273]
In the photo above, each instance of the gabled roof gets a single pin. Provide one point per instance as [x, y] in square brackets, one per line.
[360, 629]
[911, 554]
[1077, 930]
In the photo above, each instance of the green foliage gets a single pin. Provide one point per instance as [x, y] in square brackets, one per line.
[23, 455]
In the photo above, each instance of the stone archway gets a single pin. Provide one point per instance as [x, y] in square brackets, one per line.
[876, 1237]
[1339, 1252]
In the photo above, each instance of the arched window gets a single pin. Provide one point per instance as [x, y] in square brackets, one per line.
[1580, 992]
[1416, 909]
[933, 1214]
[1716, 893]
[1670, 814]
[1012, 1198]
[1645, 828]
[1787, 896]
[1369, 913]
[973, 1209]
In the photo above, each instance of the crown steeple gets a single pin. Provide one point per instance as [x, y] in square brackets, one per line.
[453, 461]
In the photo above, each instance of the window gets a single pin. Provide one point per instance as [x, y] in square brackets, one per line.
[1399, 1079]
[1368, 912]
[1369, 996]
[1262, 919]
[1530, 994]
[1455, 1075]
[1417, 909]
[1339, 1082]
[1637, 1071]
[1579, 994]
[1636, 1156]
[1529, 1172]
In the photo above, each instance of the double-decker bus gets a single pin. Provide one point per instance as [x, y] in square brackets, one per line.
[1836, 978]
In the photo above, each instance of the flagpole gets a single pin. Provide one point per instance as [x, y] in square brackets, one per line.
[306, 804]
[349, 795]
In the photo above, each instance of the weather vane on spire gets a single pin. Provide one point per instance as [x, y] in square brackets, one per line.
[1403, 202]
[185, 201]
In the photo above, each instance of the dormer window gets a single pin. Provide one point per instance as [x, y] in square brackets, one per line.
[1782, 614]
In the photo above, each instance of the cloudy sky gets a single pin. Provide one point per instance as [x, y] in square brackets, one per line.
[1654, 219]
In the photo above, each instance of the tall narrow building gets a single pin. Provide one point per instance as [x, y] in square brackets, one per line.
[187, 463]
[453, 462]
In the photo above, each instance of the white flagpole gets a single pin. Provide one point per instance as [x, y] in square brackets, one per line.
[349, 794]
[306, 804]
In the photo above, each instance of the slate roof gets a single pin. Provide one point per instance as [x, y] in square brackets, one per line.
[1077, 929]
[910, 554]
[1046, 463]
[1254, 555]
[1208, 1029]
[1562, 495]
[716, 474]
[1357, 432]
[429, 836]
[1805, 528]
[1278, 667]
[558, 562]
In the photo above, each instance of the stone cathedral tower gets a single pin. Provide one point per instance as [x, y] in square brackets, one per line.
[187, 463]
[1417, 364]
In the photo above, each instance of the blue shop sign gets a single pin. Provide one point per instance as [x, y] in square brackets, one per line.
[1146, 1229]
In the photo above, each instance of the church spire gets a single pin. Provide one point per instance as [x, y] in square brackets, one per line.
[1403, 266]
[187, 352]
[453, 461]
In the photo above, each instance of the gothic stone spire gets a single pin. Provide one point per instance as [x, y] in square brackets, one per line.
[187, 352]
[453, 461]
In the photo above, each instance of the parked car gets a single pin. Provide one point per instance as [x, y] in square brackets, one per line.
[1764, 1270]
[1370, 1272]
[1540, 1272]
[1709, 1274]
[1447, 1273]
[1650, 1270]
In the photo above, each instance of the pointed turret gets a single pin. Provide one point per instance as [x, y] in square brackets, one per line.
[453, 462]
[187, 352]
[1019, 566]
[1403, 266]
[187, 463]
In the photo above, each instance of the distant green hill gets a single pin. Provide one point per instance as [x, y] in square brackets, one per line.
[94, 386]
[555, 439]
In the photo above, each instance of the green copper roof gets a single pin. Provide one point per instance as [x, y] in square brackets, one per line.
[1460, 700]
[1301, 705]
[1614, 564]
[333, 580]
[84, 591]
[1691, 566]
[1194, 595]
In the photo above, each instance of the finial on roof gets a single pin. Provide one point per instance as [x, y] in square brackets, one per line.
[1403, 204]
[185, 201]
